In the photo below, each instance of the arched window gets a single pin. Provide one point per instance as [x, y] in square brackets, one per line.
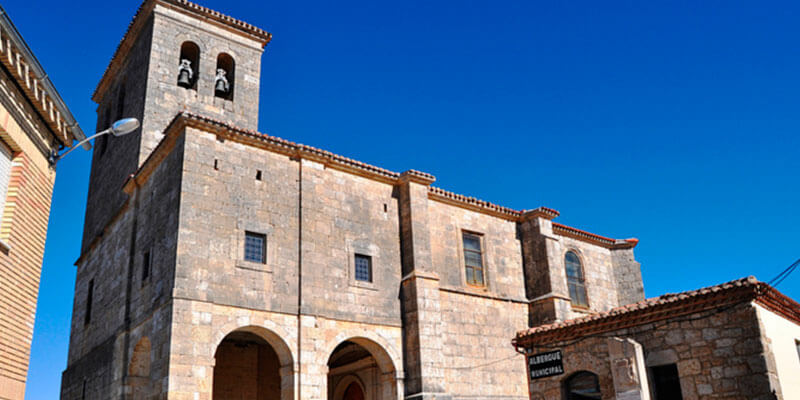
[575, 279]
[189, 65]
[582, 385]
[225, 80]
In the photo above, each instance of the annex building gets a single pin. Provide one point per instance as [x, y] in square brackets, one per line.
[218, 262]
[34, 121]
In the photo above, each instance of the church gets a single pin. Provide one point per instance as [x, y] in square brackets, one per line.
[218, 262]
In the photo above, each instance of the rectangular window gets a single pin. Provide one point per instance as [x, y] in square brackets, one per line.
[5, 174]
[89, 294]
[666, 383]
[473, 259]
[255, 246]
[146, 262]
[363, 268]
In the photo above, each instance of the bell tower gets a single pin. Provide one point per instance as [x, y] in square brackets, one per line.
[175, 56]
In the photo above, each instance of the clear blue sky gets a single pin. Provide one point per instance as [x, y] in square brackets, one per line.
[674, 122]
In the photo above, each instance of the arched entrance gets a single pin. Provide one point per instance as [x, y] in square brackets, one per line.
[353, 392]
[252, 363]
[360, 369]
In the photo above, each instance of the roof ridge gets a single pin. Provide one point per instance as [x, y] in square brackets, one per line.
[646, 304]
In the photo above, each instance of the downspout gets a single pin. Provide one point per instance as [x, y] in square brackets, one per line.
[299, 275]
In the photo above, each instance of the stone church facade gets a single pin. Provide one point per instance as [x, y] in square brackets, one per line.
[222, 263]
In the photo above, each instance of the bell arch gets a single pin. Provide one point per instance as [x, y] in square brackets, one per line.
[189, 65]
[225, 79]
[253, 362]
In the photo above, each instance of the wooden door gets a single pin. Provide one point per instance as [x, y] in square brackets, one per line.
[354, 392]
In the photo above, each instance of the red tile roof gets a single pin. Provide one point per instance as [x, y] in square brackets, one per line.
[140, 18]
[662, 308]
[284, 146]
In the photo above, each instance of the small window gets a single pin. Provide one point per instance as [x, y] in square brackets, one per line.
[258, 175]
[146, 264]
[89, 294]
[582, 385]
[255, 245]
[575, 280]
[102, 142]
[225, 79]
[363, 268]
[666, 383]
[473, 259]
[121, 102]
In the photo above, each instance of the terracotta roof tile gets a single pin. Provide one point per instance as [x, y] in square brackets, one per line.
[138, 21]
[661, 308]
[466, 201]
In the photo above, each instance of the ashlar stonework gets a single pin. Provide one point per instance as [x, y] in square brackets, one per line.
[178, 310]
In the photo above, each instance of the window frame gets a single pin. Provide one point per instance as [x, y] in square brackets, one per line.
[263, 237]
[465, 263]
[578, 284]
[654, 378]
[368, 258]
[362, 247]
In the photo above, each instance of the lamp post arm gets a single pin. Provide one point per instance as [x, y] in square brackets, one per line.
[55, 157]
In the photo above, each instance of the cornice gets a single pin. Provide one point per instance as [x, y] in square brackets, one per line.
[24, 68]
[139, 20]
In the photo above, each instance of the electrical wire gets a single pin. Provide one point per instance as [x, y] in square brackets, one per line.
[708, 313]
[784, 274]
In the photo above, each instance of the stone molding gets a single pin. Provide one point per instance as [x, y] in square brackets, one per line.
[140, 19]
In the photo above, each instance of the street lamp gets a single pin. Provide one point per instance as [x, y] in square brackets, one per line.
[119, 128]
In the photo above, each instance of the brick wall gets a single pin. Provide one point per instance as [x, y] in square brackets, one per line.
[23, 231]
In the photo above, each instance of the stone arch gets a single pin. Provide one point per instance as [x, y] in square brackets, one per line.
[384, 385]
[582, 385]
[191, 52]
[342, 385]
[137, 383]
[265, 342]
[386, 355]
[140, 359]
[590, 355]
[226, 63]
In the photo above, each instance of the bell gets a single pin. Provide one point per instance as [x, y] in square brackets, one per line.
[183, 79]
[222, 86]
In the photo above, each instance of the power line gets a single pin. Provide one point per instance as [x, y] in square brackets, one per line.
[784, 274]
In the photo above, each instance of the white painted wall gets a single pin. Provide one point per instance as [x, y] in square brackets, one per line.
[783, 333]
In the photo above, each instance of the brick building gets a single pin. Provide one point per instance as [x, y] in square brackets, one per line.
[33, 122]
[219, 262]
[737, 340]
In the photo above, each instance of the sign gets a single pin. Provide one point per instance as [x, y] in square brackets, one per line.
[547, 364]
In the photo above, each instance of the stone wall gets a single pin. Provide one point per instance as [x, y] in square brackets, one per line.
[148, 79]
[718, 355]
[126, 306]
[477, 360]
